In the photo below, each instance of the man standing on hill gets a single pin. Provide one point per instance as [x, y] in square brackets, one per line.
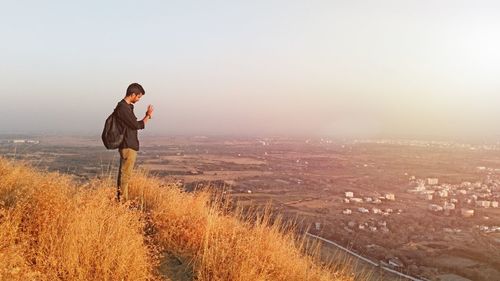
[130, 145]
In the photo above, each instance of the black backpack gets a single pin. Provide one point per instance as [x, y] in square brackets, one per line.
[113, 132]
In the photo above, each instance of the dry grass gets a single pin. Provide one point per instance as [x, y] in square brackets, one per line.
[228, 246]
[52, 229]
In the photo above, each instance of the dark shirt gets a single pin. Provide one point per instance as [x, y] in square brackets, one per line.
[125, 113]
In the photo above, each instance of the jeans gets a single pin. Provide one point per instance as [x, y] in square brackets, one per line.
[127, 161]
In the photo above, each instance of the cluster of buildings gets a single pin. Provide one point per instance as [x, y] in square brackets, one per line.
[349, 198]
[488, 169]
[19, 141]
[488, 229]
[448, 198]
[370, 225]
[434, 144]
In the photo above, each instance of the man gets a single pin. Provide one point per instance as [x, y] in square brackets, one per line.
[130, 145]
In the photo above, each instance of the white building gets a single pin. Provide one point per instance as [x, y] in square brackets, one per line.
[349, 194]
[363, 210]
[494, 204]
[467, 213]
[427, 196]
[435, 208]
[483, 203]
[390, 196]
[442, 193]
[432, 181]
[357, 200]
[347, 212]
[317, 225]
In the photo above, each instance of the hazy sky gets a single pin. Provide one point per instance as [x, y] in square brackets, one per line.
[360, 68]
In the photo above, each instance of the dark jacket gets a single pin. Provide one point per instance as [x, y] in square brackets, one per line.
[125, 113]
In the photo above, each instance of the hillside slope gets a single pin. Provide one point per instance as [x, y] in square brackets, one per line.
[51, 228]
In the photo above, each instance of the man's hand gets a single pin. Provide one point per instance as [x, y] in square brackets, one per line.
[149, 114]
[150, 110]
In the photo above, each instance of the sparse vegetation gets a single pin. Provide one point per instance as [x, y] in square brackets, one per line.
[54, 229]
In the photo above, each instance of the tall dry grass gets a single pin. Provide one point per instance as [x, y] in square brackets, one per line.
[53, 229]
[228, 246]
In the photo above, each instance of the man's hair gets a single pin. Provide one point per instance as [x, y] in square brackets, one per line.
[134, 88]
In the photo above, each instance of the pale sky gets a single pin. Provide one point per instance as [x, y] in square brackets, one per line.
[325, 68]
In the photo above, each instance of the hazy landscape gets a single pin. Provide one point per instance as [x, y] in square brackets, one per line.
[279, 140]
[417, 207]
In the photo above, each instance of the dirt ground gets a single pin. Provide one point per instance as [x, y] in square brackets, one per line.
[174, 268]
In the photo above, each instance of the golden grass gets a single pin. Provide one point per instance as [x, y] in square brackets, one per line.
[53, 229]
